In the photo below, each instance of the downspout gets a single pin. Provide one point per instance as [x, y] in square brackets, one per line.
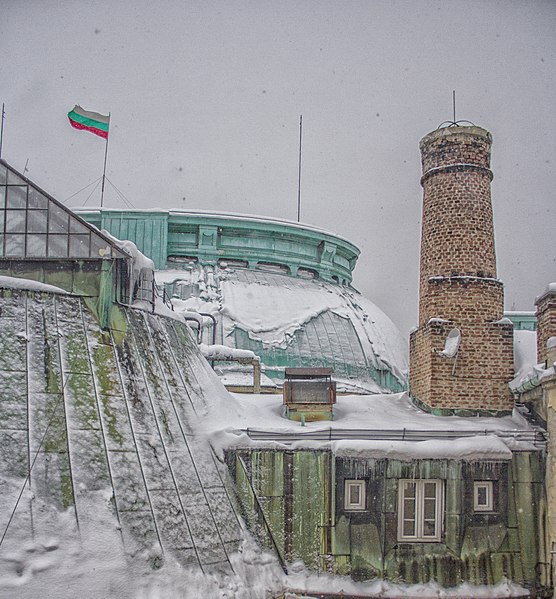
[191, 319]
[213, 325]
[104, 304]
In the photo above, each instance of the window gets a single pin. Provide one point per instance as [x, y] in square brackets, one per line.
[420, 507]
[354, 495]
[483, 496]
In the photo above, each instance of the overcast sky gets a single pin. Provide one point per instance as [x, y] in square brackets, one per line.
[205, 99]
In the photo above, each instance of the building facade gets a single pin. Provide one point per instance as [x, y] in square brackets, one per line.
[279, 289]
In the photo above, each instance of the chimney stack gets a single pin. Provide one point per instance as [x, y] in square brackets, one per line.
[461, 356]
[546, 325]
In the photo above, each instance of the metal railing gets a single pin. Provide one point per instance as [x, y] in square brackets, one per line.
[537, 437]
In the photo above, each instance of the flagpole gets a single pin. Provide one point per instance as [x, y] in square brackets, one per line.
[299, 169]
[104, 169]
[2, 129]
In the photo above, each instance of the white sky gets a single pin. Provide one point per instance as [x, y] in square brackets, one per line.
[205, 99]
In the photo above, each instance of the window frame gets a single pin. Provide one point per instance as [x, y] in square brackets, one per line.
[419, 535]
[488, 485]
[361, 504]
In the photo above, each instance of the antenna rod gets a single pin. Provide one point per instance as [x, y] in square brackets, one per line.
[104, 170]
[299, 169]
[454, 103]
[2, 129]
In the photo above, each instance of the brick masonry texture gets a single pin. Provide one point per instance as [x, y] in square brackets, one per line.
[546, 322]
[458, 286]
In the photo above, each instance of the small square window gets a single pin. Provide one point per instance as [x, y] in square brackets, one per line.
[354, 495]
[17, 196]
[37, 221]
[57, 246]
[15, 245]
[15, 221]
[36, 246]
[483, 500]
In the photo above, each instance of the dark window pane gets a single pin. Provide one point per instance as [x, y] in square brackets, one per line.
[430, 490]
[17, 196]
[58, 219]
[77, 227]
[429, 508]
[409, 489]
[354, 494]
[36, 246]
[79, 246]
[429, 528]
[37, 221]
[37, 200]
[2, 196]
[409, 508]
[15, 221]
[15, 245]
[3, 174]
[57, 246]
[409, 528]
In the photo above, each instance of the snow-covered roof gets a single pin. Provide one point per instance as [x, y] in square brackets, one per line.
[296, 322]
[28, 284]
[125, 495]
[373, 426]
[120, 477]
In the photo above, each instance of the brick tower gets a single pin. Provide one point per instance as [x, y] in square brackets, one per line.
[461, 356]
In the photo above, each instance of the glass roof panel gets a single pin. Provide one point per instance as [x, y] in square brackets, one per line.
[31, 214]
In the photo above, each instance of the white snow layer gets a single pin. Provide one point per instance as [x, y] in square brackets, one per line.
[482, 438]
[529, 373]
[525, 349]
[60, 555]
[139, 259]
[272, 313]
[29, 285]
[223, 352]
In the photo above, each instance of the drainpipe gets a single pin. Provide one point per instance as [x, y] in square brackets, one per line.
[191, 319]
[213, 325]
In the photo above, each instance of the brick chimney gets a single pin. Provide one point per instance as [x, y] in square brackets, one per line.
[546, 325]
[461, 356]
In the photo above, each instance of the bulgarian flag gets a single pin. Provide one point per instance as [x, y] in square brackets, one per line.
[89, 121]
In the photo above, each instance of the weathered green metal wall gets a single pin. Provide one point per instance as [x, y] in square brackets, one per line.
[97, 281]
[292, 488]
[166, 236]
[302, 494]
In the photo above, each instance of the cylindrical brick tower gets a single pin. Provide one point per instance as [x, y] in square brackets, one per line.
[459, 293]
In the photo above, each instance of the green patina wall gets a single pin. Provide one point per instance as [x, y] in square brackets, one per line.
[99, 282]
[476, 547]
[293, 489]
[523, 321]
[170, 237]
[314, 346]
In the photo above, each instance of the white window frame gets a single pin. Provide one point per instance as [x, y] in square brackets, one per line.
[418, 501]
[489, 505]
[360, 505]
